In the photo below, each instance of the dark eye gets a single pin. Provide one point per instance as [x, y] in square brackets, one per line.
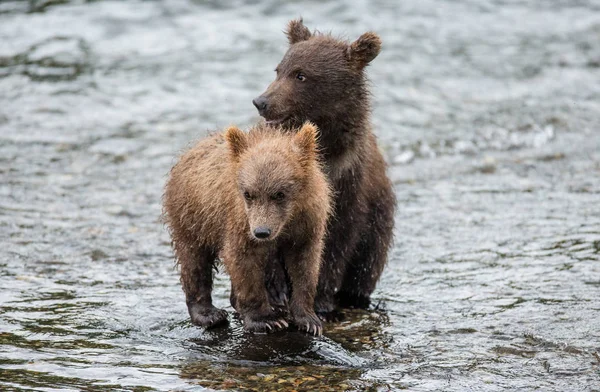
[247, 196]
[300, 76]
[278, 196]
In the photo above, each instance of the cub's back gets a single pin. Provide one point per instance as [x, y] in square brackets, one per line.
[199, 192]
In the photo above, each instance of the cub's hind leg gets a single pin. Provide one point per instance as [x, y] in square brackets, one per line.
[370, 257]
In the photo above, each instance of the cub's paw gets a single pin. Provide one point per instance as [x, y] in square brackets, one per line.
[264, 324]
[207, 316]
[331, 316]
[350, 300]
[309, 323]
[326, 310]
[277, 287]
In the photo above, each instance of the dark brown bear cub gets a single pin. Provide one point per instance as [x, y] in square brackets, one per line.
[244, 198]
[321, 79]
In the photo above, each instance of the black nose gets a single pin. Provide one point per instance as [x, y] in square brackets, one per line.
[260, 103]
[262, 232]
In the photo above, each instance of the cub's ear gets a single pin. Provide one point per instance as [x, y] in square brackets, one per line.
[296, 31]
[237, 141]
[362, 51]
[306, 140]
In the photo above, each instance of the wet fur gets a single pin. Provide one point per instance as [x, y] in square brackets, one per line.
[209, 219]
[335, 96]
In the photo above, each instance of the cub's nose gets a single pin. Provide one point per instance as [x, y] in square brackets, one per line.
[262, 232]
[260, 103]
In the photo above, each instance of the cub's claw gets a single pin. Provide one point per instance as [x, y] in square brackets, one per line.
[326, 310]
[264, 325]
[332, 316]
[309, 323]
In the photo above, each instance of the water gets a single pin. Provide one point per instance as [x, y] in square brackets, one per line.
[488, 113]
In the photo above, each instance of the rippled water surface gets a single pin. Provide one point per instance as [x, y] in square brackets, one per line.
[488, 112]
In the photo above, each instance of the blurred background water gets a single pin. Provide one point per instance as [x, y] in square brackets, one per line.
[488, 113]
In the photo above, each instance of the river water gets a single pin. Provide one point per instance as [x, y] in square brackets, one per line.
[488, 112]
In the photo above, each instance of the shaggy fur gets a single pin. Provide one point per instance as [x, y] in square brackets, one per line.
[222, 198]
[322, 79]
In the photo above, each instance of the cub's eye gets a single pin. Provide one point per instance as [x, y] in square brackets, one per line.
[278, 196]
[247, 196]
[300, 76]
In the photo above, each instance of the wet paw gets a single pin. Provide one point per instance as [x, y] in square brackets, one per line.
[207, 316]
[309, 323]
[326, 309]
[357, 301]
[264, 325]
[281, 312]
[330, 316]
[277, 288]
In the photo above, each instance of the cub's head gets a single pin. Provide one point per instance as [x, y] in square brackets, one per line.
[320, 78]
[273, 172]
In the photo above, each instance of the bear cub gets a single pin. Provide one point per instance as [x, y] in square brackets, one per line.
[246, 199]
[322, 79]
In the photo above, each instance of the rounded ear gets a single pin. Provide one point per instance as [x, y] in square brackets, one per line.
[306, 140]
[296, 31]
[237, 141]
[362, 51]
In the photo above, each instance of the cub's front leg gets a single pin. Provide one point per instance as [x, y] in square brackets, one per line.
[197, 265]
[246, 267]
[302, 264]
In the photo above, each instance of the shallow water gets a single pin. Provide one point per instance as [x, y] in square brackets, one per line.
[489, 114]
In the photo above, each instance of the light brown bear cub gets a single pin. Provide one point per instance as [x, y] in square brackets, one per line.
[246, 198]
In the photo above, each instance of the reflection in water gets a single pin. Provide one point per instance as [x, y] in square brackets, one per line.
[253, 347]
[290, 360]
[275, 378]
[487, 112]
